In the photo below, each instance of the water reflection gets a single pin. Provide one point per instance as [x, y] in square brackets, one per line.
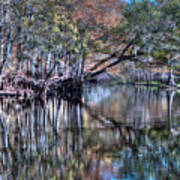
[113, 133]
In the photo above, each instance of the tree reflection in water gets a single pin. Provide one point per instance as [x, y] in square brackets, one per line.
[130, 133]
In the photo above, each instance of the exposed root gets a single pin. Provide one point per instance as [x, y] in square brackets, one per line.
[21, 86]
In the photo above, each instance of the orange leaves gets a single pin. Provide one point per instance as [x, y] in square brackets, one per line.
[98, 17]
[100, 12]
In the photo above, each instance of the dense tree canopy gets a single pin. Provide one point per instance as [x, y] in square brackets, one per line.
[45, 37]
[40, 28]
[156, 25]
[149, 31]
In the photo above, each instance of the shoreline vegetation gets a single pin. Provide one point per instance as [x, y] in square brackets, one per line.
[56, 50]
[23, 87]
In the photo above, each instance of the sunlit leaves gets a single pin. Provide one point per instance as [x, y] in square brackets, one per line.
[154, 24]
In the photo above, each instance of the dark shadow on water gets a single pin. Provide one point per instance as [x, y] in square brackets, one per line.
[112, 133]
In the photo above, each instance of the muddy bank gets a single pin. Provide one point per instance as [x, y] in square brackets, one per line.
[23, 87]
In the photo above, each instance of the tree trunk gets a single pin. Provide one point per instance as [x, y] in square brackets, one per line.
[172, 80]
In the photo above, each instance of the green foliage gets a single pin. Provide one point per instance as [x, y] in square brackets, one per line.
[160, 54]
[156, 25]
[46, 26]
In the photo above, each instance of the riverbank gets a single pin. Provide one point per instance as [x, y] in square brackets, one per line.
[140, 77]
[24, 87]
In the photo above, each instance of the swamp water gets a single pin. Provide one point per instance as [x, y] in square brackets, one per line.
[117, 132]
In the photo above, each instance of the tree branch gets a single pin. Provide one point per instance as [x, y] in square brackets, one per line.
[120, 59]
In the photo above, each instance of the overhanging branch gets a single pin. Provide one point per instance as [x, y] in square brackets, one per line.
[120, 59]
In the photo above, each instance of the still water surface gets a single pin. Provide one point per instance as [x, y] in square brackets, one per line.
[117, 132]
